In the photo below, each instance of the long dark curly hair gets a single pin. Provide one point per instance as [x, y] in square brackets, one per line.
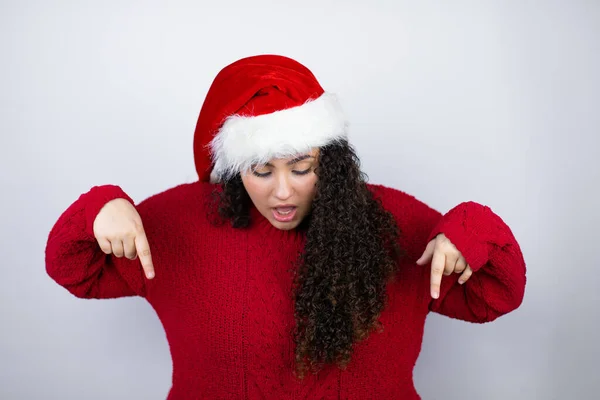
[350, 254]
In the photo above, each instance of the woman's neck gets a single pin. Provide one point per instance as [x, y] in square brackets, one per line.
[262, 224]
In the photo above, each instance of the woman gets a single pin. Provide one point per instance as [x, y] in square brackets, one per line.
[281, 273]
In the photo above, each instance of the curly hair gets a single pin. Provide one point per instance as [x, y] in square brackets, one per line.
[350, 254]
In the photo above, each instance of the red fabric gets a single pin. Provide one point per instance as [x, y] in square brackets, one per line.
[223, 294]
[251, 86]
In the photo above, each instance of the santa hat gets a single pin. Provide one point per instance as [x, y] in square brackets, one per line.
[259, 108]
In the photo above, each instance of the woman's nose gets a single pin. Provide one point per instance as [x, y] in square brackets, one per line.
[283, 189]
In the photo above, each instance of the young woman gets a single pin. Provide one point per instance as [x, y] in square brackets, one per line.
[282, 274]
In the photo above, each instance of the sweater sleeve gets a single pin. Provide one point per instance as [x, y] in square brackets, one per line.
[74, 259]
[497, 284]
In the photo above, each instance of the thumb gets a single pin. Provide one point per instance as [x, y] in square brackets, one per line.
[427, 254]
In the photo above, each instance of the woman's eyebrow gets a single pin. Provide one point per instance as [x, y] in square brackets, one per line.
[294, 160]
[298, 159]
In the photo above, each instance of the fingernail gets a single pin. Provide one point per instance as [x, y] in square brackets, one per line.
[435, 294]
[150, 275]
[460, 281]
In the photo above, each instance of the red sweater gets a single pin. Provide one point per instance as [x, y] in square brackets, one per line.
[223, 295]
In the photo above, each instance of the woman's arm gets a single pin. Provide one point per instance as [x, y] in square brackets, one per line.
[497, 284]
[75, 260]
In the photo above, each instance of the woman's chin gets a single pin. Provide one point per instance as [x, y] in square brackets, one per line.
[284, 226]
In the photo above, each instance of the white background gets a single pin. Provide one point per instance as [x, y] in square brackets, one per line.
[491, 101]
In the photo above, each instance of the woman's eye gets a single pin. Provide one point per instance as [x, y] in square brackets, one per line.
[261, 174]
[306, 171]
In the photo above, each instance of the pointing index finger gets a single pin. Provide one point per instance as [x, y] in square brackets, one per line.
[437, 270]
[143, 251]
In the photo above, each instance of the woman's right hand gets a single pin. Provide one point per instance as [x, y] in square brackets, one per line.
[119, 230]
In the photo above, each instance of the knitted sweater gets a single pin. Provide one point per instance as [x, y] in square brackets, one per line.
[223, 295]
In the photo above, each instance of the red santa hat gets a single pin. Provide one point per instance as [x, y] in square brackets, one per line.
[259, 108]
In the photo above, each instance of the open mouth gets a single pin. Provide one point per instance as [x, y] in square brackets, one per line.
[284, 213]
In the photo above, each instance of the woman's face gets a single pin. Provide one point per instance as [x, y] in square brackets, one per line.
[283, 189]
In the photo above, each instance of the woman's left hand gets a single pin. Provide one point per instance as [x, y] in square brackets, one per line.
[445, 260]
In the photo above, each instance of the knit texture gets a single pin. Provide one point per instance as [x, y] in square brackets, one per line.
[224, 295]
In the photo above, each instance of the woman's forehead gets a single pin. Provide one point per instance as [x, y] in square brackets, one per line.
[296, 158]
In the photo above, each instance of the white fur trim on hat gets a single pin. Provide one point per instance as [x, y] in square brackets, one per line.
[246, 141]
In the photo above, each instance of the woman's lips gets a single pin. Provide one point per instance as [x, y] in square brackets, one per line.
[284, 213]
